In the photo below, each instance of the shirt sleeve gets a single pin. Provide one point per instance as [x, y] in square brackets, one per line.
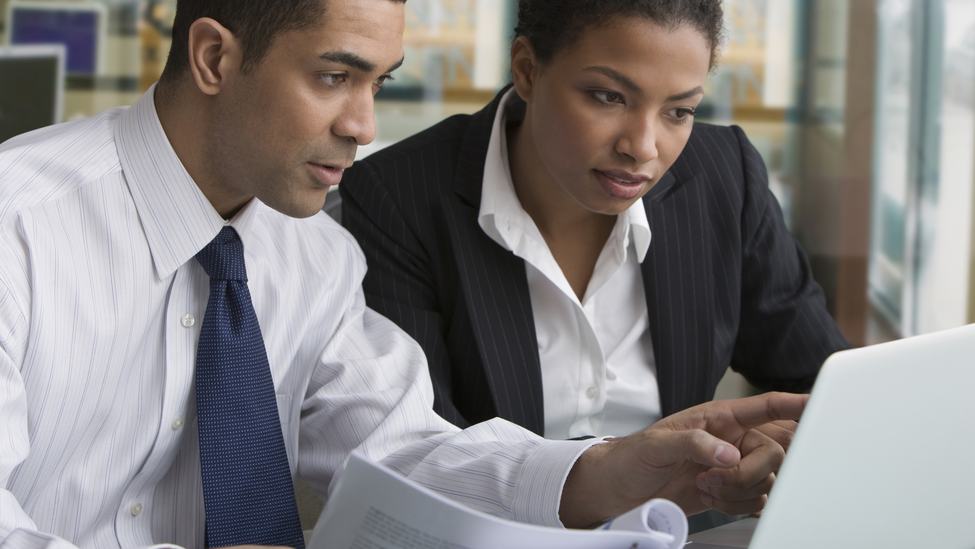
[16, 527]
[372, 391]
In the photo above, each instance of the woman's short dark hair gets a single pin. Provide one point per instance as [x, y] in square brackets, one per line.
[553, 25]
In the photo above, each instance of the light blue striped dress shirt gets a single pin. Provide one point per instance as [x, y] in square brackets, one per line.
[101, 304]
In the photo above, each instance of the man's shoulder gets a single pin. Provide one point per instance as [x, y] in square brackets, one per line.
[47, 164]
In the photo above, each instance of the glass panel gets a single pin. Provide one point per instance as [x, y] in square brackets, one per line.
[754, 84]
[456, 59]
[891, 155]
[946, 196]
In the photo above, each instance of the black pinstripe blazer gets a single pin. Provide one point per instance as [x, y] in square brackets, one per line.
[725, 282]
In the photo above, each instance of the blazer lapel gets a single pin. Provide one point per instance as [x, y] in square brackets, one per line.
[678, 287]
[495, 288]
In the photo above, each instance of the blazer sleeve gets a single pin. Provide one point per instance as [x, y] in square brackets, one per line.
[785, 332]
[400, 283]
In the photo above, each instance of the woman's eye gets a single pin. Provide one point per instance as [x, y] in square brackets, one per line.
[607, 97]
[681, 114]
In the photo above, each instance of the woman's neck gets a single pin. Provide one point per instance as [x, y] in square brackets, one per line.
[575, 235]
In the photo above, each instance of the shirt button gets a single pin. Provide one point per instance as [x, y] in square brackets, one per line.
[592, 392]
[177, 423]
[187, 321]
[136, 509]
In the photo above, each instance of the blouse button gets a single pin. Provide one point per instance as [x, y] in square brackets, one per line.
[136, 509]
[592, 393]
[187, 321]
[177, 423]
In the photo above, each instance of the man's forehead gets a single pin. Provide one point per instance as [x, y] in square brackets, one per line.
[363, 34]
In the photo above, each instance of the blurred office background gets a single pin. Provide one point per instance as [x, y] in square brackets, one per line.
[864, 111]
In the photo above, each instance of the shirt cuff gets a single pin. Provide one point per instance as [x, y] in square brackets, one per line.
[539, 492]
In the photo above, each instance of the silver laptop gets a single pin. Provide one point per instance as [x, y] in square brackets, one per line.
[884, 455]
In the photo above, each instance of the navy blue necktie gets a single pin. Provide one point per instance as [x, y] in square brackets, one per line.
[247, 487]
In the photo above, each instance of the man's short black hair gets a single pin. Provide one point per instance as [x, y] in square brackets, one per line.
[255, 23]
[553, 25]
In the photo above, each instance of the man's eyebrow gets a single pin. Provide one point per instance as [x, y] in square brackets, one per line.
[396, 65]
[355, 61]
[627, 83]
[350, 59]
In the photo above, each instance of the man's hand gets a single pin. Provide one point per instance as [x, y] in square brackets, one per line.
[666, 460]
[744, 488]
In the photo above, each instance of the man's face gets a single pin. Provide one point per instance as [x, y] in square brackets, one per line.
[285, 130]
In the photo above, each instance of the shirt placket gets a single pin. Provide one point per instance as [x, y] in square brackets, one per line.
[182, 331]
[592, 373]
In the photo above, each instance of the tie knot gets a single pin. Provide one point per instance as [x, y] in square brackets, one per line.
[223, 257]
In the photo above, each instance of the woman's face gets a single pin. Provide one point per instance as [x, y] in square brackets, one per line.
[611, 113]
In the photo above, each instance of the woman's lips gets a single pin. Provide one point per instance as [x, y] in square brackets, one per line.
[328, 175]
[620, 184]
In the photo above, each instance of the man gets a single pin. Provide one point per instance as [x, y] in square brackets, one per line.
[119, 426]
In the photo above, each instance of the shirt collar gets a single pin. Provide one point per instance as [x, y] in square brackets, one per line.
[500, 206]
[177, 219]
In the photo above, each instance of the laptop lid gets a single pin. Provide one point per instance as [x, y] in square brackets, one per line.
[884, 453]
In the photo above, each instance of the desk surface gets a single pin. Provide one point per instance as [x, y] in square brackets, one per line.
[735, 534]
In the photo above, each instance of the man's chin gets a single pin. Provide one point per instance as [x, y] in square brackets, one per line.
[305, 206]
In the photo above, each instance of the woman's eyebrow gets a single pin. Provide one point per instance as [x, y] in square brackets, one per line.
[622, 79]
[689, 93]
[625, 81]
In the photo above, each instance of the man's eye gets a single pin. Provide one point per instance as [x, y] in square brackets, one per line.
[330, 79]
[381, 81]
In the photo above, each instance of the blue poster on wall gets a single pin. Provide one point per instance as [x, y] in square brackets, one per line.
[75, 27]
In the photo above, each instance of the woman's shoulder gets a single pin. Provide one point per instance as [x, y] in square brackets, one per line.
[717, 138]
[446, 133]
[724, 150]
[444, 143]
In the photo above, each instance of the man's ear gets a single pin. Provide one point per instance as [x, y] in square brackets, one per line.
[524, 67]
[215, 55]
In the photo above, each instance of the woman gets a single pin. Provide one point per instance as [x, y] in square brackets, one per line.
[515, 244]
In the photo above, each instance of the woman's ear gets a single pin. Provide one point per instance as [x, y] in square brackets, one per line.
[215, 55]
[524, 67]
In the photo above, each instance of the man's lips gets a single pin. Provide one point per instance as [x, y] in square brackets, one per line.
[327, 174]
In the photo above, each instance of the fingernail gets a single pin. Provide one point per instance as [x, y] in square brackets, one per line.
[723, 454]
[701, 484]
[715, 480]
[707, 499]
